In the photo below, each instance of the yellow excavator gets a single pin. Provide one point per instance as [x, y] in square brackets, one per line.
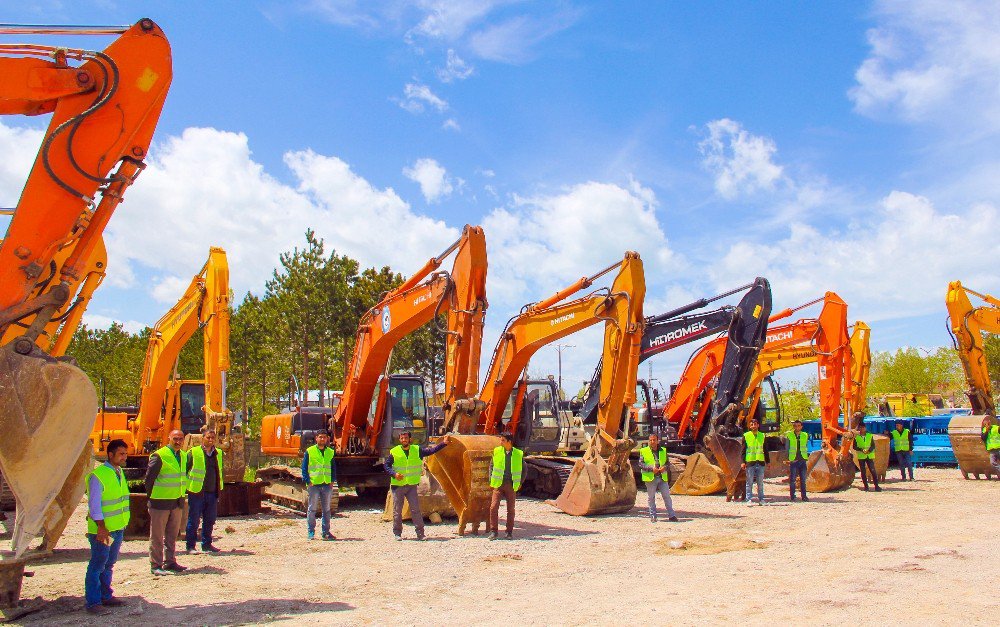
[104, 106]
[967, 323]
[167, 403]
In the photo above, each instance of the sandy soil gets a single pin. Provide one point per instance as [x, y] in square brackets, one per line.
[922, 552]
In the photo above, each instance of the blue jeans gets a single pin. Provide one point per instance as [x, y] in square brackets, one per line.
[755, 474]
[905, 461]
[97, 584]
[797, 469]
[661, 486]
[202, 507]
[319, 495]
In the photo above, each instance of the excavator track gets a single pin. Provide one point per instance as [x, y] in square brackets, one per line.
[287, 489]
[545, 477]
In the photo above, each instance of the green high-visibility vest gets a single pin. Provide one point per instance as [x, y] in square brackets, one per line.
[500, 466]
[196, 479]
[755, 446]
[796, 444]
[171, 482]
[865, 444]
[901, 441]
[320, 462]
[992, 438]
[407, 463]
[114, 499]
[646, 455]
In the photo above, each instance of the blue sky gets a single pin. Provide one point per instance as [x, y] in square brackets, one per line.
[827, 146]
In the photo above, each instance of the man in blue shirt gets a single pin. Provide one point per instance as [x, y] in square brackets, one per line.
[321, 482]
[405, 481]
[105, 544]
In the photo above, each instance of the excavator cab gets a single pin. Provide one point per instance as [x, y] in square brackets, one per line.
[541, 426]
[768, 411]
[404, 410]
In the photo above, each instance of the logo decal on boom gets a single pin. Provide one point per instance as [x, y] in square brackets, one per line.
[678, 334]
[386, 321]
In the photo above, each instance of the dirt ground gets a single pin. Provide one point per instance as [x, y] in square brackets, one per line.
[923, 551]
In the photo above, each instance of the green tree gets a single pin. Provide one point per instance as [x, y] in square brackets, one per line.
[113, 359]
[908, 370]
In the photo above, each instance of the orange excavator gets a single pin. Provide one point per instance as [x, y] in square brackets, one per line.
[167, 403]
[377, 405]
[967, 324]
[601, 481]
[104, 108]
[823, 340]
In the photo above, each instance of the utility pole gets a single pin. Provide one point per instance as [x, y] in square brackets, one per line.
[559, 349]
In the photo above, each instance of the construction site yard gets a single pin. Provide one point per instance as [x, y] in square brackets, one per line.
[923, 551]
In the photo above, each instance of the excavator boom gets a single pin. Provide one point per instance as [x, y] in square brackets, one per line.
[104, 107]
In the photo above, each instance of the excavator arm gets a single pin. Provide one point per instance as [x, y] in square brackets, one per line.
[967, 324]
[462, 295]
[104, 108]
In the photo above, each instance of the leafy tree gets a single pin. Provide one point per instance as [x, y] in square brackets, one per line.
[113, 359]
[910, 371]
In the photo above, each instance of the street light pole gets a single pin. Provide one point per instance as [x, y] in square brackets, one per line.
[559, 350]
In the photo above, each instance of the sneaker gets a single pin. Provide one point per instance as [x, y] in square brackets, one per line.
[159, 572]
[865, 488]
[328, 536]
[492, 536]
[805, 499]
[191, 550]
[652, 519]
[398, 538]
[509, 535]
[672, 519]
[420, 538]
[112, 602]
[210, 549]
[312, 535]
[791, 498]
[177, 568]
[97, 609]
[749, 503]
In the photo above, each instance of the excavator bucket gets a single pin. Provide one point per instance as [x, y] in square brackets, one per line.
[47, 409]
[433, 499]
[728, 454]
[462, 468]
[700, 477]
[965, 433]
[602, 481]
[826, 471]
[59, 511]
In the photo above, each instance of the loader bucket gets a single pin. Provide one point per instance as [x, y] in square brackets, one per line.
[601, 481]
[826, 471]
[462, 468]
[700, 477]
[965, 433]
[47, 409]
[728, 454]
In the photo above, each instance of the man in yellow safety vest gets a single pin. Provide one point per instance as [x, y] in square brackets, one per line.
[864, 447]
[991, 438]
[319, 473]
[205, 483]
[107, 517]
[655, 469]
[166, 485]
[506, 469]
[902, 445]
[753, 461]
[405, 465]
[798, 455]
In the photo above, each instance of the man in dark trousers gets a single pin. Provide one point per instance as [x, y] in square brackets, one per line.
[902, 444]
[405, 465]
[506, 469]
[205, 482]
[798, 455]
[166, 481]
[107, 517]
[864, 446]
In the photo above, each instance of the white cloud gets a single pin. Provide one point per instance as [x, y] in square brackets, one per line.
[417, 97]
[177, 209]
[894, 263]
[18, 147]
[344, 12]
[487, 173]
[932, 58]
[455, 69]
[741, 162]
[451, 125]
[169, 289]
[97, 321]
[434, 181]
[514, 40]
[450, 19]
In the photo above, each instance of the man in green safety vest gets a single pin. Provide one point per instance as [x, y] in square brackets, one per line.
[319, 472]
[405, 465]
[656, 474]
[991, 438]
[107, 517]
[753, 461]
[506, 469]
[798, 455]
[864, 447]
[166, 486]
[205, 482]
[902, 444]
